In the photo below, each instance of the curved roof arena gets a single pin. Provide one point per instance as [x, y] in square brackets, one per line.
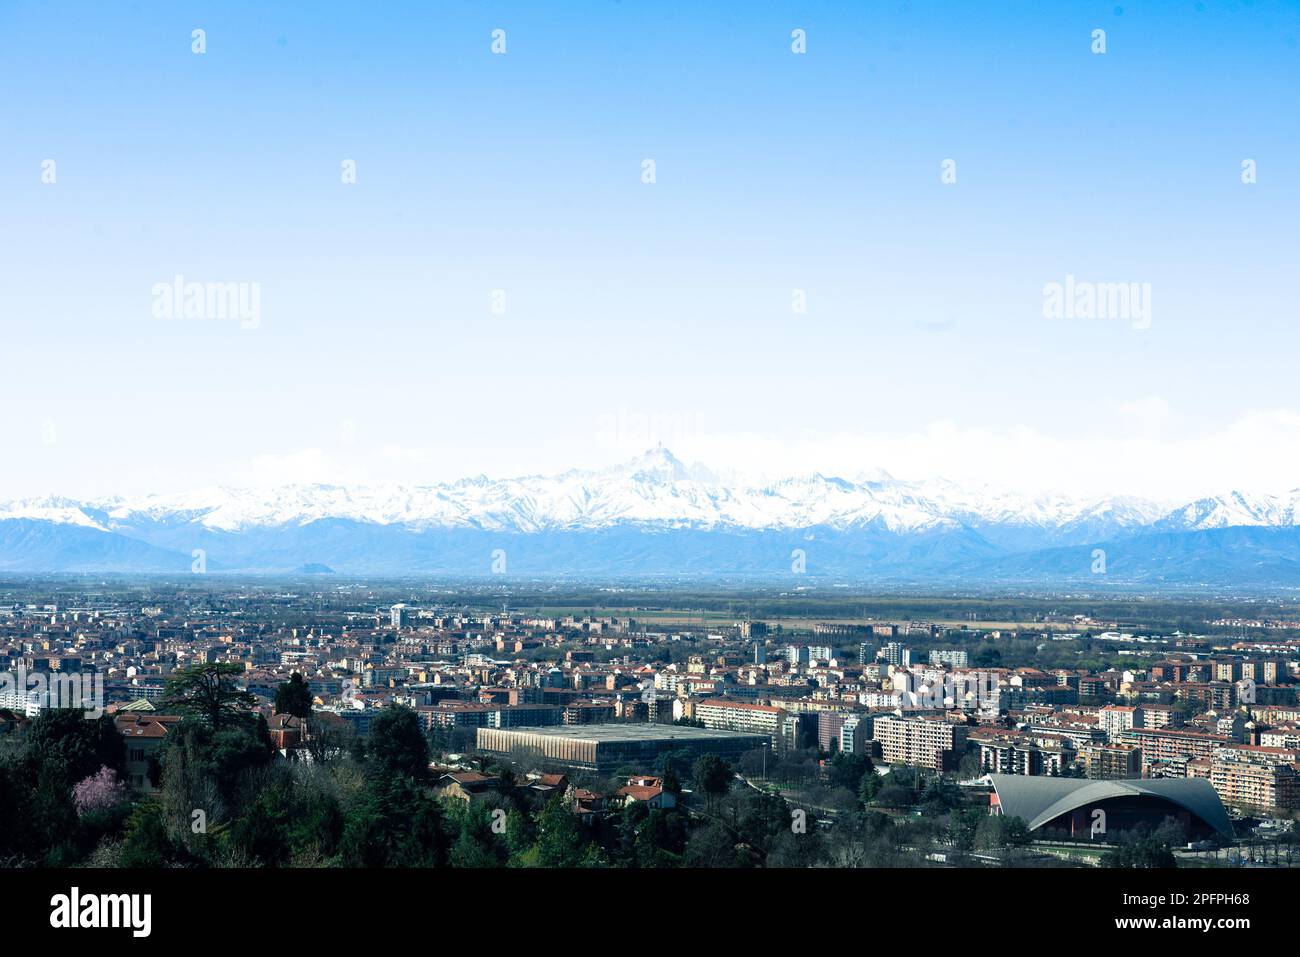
[1042, 799]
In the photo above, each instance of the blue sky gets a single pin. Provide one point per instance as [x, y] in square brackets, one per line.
[924, 348]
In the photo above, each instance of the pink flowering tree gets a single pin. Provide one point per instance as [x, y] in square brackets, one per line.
[102, 791]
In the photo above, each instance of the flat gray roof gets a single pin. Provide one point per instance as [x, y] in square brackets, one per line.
[632, 732]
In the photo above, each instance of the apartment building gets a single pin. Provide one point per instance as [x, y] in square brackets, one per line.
[1159, 716]
[1112, 762]
[1264, 778]
[855, 734]
[1212, 696]
[587, 712]
[1116, 719]
[829, 726]
[893, 653]
[920, 742]
[1159, 746]
[473, 714]
[952, 659]
[1268, 671]
[1280, 738]
[1000, 756]
[725, 715]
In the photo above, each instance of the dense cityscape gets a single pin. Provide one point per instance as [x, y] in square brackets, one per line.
[318, 724]
[558, 474]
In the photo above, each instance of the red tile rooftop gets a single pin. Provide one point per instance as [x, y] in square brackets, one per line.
[639, 792]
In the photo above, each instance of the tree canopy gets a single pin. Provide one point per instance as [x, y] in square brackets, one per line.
[293, 697]
[208, 691]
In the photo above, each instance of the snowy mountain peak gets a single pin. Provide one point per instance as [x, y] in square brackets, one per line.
[657, 464]
[1235, 509]
[656, 489]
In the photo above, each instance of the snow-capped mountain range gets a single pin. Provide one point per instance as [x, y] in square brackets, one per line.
[869, 523]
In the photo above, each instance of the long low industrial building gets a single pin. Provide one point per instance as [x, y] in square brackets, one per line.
[606, 747]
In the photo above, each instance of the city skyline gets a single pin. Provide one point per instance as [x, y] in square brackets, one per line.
[460, 450]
